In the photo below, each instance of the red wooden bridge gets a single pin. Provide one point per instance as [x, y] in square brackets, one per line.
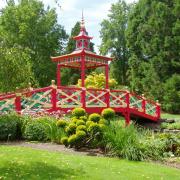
[55, 98]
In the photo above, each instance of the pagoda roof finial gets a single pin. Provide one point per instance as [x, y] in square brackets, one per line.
[82, 21]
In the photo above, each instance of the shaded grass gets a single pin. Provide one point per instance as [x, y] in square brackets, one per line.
[26, 163]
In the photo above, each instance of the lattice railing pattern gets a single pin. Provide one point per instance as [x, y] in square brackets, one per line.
[150, 109]
[37, 101]
[7, 105]
[118, 99]
[135, 102]
[95, 98]
[69, 98]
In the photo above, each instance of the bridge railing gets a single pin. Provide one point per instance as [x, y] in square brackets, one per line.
[54, 98]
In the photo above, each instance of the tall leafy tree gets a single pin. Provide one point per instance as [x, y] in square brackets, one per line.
[114, 41]
[154, 43]
[152, 37]
[15, 68]
[31, 26]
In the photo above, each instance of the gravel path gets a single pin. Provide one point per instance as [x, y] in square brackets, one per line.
[55, 147]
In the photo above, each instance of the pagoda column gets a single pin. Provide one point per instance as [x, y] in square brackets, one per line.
[82, 71]
[83, 94]
[58, 74]
[107, 76]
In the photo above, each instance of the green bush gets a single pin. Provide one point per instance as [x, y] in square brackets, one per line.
[80, 122]
[64, 140]
[94, 117]
[78, 112]
[108, 113]
[61, 123]
[72, 140]
[8, 127]
[103, 121]
[80, 135]
[84, 118]
[71, 128]
[35, 131]
[88, 123]
[81, 127]
[74, 120]
[164, 125]
[94, 128]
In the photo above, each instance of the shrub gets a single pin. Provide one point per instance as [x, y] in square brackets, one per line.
[8, 127]
[103, 121]
[72, 140]
[78, 112]
[74, 120]
[94, 128]
[80, 135]
[61, 123]
[94, 117]
[84, 118]
[81, 127]
[80, 122]
[88, 123]
[64, 140]
[35, 131]
[71, 128]
[108, 113]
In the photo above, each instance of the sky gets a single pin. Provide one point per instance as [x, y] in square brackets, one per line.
[70, 12]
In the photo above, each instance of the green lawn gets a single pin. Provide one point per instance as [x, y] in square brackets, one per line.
[26, 163]
[170, 116]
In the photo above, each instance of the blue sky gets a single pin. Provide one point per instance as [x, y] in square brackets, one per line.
[70, 12]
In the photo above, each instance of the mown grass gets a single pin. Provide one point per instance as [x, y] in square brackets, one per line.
[27, 163]
[170, 116]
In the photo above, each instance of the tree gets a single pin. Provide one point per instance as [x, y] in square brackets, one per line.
[171, 99]
[114, 41]
[15, 68]
[98, 81]
[152, 37]
[31, 26]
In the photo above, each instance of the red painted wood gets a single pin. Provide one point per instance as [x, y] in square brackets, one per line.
[54, 99]
[58, 75]
[18, 104]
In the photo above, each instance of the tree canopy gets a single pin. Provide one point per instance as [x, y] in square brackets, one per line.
[29, 25]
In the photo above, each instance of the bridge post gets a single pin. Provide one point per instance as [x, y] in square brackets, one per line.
[144, 104]
[83, 97]
[108, 98]
[54, 95]
[18, 103]
[127, 113]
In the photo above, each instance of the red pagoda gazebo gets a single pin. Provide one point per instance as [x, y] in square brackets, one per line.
[82, 58]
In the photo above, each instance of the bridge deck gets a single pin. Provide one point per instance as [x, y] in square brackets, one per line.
[93, 100]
